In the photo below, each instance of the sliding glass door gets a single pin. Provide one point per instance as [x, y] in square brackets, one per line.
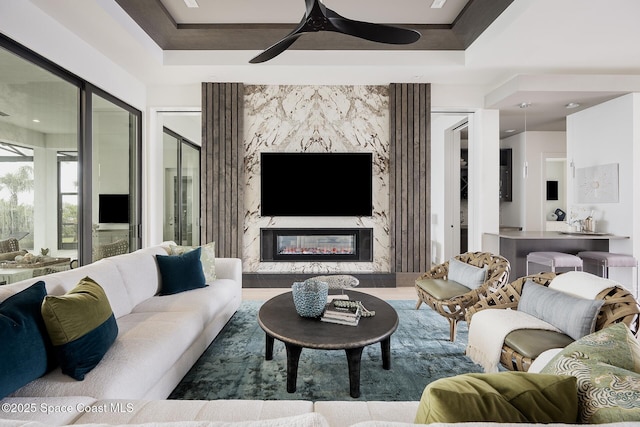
[63, 144]
[181, 160]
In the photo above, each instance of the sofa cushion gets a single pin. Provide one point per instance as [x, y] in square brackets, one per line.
[139, 272]
[310, 419]
[441, 288]
[466, 274]
[574, 316]
[207, 258]
[156, 339]
[153, 411]
[52, 410]
[81, 326]
[532, 342]
[500, 397]
[179, 273]
[208, 302]
[25, 344]
[347, 413]
[608, 390]
[103, 272]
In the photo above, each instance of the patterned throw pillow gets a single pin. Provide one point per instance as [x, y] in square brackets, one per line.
[207, 258]
[606, 364]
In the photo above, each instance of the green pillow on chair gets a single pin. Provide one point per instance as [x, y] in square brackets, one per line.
[505, 397]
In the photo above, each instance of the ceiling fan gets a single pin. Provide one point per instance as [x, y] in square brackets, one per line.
[318, 17]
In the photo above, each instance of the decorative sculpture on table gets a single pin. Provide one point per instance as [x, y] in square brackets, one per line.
[338, 281]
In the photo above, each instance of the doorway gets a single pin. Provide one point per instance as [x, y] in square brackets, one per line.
[458, 198]
[181, 207]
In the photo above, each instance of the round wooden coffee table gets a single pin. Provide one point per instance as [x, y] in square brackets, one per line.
[279, 319]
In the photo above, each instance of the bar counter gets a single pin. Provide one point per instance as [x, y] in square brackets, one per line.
[514, 245]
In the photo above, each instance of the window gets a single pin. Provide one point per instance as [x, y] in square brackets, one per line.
[68, 200]
[60, 137]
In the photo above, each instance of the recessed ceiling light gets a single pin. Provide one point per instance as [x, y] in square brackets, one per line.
[437, 4]
[35, 121]
[572, 105]
[191, 3]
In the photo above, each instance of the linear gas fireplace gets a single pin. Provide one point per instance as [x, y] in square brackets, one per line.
[316, 244]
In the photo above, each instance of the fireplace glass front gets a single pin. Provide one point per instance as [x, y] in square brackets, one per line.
[316, 244]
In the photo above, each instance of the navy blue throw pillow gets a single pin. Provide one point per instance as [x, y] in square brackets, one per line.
[179, 273]
[24, 342]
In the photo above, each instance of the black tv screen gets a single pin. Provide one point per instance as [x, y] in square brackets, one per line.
[316, 184]
[552, 190]
[113, 208]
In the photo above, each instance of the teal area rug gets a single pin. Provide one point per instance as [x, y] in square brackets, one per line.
[233, 367]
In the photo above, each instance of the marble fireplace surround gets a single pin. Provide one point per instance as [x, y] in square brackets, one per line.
[323, 119]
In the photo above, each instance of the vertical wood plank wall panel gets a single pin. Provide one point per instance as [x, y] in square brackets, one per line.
[222, 167]
[410, 193]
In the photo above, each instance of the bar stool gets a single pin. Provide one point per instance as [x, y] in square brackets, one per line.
[605, 260]
[554, 260]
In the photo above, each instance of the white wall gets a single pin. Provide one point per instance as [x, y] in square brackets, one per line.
[530, 151]
[30, 26]
[605, 134]
[484, 176]
[441, 125]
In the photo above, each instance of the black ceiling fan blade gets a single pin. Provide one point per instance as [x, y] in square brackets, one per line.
[380, 33]
[275, 50]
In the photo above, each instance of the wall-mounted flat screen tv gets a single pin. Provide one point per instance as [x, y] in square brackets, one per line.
[316, 184]
[113, 208]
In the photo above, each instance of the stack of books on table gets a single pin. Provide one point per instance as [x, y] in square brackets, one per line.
[341, 315]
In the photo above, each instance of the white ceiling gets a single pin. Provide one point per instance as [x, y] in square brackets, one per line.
[547, 52]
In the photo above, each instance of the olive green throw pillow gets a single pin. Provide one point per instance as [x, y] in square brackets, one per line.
[81, 326]
[506, 397]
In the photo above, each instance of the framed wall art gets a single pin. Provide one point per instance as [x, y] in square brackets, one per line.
[597, 184]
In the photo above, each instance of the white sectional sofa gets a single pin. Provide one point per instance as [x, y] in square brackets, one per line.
[159, 338]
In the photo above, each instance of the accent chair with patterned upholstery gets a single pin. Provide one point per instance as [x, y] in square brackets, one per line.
[522, 346]
[451, 298]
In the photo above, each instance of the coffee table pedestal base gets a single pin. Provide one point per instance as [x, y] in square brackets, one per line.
[354, 358]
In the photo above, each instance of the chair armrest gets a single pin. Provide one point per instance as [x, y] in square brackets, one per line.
[229, 268]
[438, 272]
[501, 299]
